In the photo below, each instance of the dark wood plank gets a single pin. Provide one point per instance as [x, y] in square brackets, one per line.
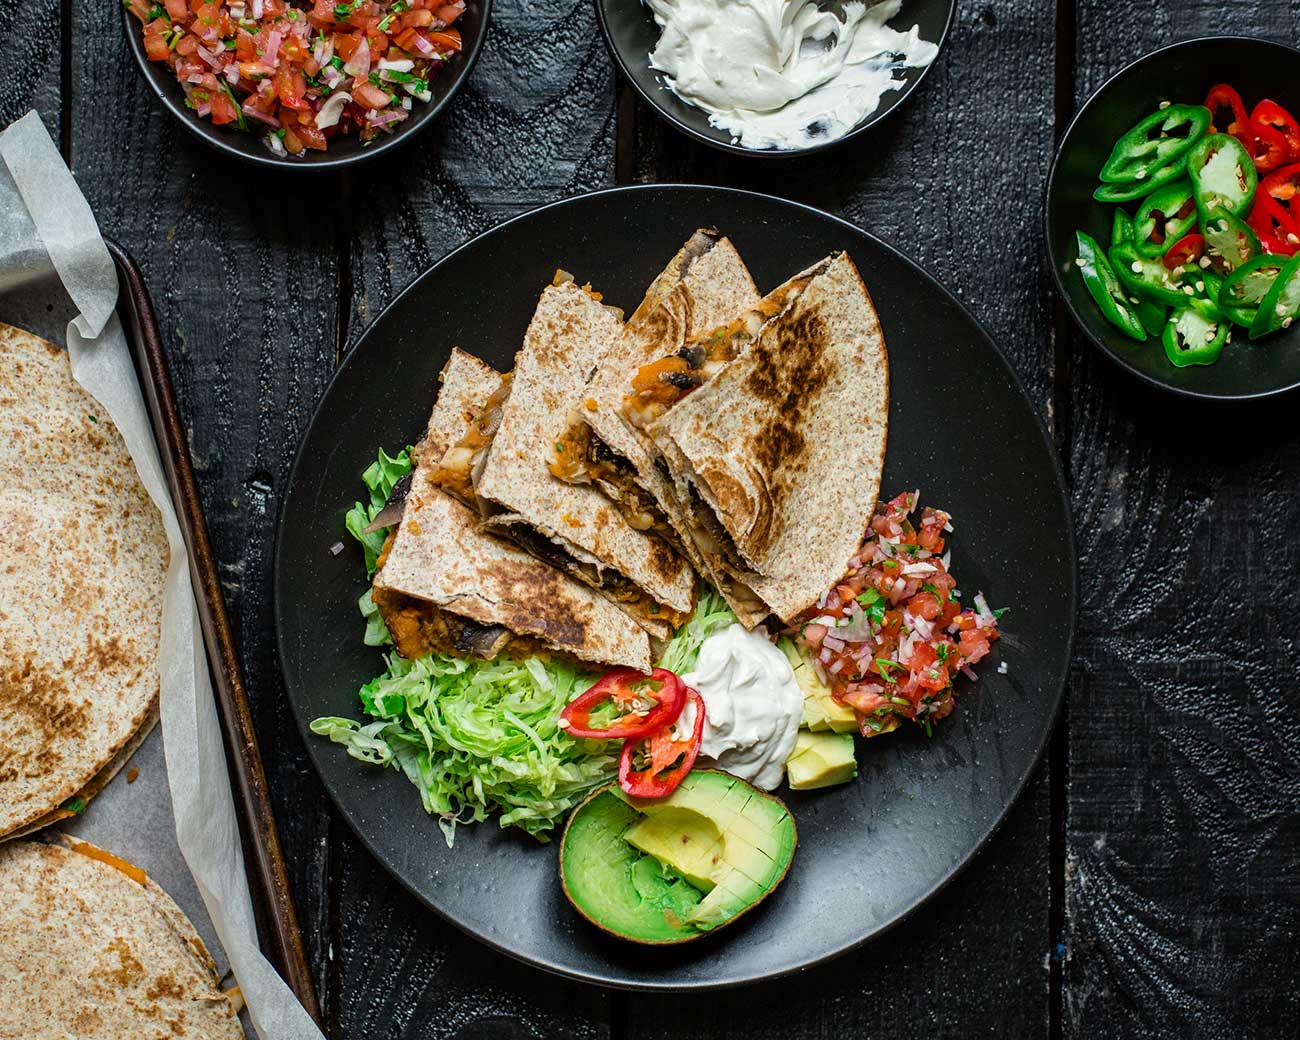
[952, 180]
[1183, 839]
[535, 123]
[30, 37]
[245, 292]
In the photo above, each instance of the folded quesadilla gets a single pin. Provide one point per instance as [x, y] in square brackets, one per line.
[573, 526]
[81, 588]
[704, 285]
[92, 947]
[651, 391]
[781, 451]
[444, 584]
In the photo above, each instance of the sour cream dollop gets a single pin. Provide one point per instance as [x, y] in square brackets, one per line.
[752, 705]
[783, 73]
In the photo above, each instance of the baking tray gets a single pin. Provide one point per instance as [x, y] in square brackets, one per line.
[267, 877]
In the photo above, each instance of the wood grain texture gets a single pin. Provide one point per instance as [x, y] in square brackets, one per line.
[1182, 869]
[29, 54]
[534, 123]
[245, 295]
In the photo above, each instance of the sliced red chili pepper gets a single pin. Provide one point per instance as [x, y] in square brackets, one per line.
[669, 760]
[1269, 148]
[1282, 184]
[1187, 250]
[1274, 225]
[1269, 113]
[648, 702]
[1222, 96]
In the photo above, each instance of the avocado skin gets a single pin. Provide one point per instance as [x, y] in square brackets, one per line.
[646, 894]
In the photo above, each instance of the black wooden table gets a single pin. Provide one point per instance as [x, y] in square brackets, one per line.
[1148, 884]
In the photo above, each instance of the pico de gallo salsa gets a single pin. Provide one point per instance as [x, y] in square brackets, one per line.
[300, 75]
[892, 636]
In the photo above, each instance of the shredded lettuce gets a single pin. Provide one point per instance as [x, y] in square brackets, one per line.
[711, 615]
[481, 737]
[478, 737]
[380, 476]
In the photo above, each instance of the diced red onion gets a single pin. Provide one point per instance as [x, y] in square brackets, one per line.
[833, 644]
[946, 559]
[194, 77]
[332, 109]
[359, 64]
[982, 610]
[924, 628]
[260, 116]
[424, 46]
[211, 57]
[389, 115]
[275, 144]
[273, 39]
[257, 10]
[232, 73]
[919, 569]
[968, 671]
[336, 548]
[837, 667]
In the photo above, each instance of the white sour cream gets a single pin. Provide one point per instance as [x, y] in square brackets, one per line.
[752, 705]
[783, 73]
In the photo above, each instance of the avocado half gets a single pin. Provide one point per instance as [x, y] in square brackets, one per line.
[672, 869]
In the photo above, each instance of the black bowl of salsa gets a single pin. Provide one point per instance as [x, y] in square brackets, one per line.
[442, 53]
[1181, 74]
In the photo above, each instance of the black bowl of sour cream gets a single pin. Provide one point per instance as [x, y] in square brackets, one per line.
[774, 77]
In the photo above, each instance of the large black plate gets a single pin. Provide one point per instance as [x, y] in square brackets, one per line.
[961, 429]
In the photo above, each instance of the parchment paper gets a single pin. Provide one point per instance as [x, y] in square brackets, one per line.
[45, 222]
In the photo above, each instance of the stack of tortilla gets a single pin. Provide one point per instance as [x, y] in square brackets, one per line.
[91, 947]
[715, 433]
[82, 561]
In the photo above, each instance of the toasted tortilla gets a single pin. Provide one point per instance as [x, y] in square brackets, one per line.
[441, 570]
[82, 561]
[771, 444]
[569, 333]
[663, 468]
[86, 950]
[705, 285]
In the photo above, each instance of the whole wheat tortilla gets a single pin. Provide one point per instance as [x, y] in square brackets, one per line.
[82, 561]
[88, 951]
[786, 444]
[441, 556]
[569, 333]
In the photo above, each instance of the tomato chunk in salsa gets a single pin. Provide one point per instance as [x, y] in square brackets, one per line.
[302, 74]
[892, 636]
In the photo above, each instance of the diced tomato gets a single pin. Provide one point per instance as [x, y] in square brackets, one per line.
[155, 48]
[447, 40]
[290, 86]
[223, 109]
[281, 81]
[367, 95]
[346, 44]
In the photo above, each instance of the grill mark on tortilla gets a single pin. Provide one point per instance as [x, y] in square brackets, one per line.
[792, 368]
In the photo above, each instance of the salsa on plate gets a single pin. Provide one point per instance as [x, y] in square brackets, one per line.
[302, 75]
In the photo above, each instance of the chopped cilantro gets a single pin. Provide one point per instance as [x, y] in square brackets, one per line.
[76, 805]
[342, 11]
[1000, 611]
[93, 418]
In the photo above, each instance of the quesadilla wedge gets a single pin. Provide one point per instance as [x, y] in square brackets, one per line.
[660, 383]
[92, 947]
[444, 584]
[573, 526]
[82, 563]
[780, 454]
[705, 284]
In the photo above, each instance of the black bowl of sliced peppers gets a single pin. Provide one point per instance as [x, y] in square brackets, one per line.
[1173, 222]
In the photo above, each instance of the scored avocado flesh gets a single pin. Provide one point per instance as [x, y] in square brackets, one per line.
[669, 870]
